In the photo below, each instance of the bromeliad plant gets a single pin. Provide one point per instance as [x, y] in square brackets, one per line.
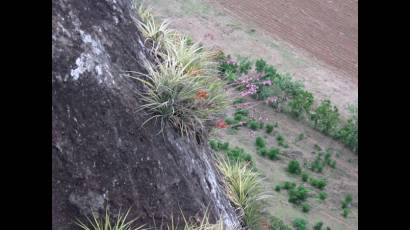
[192, 56]
[175, 97]
[181, 88]
[245, 190]
[107, 223]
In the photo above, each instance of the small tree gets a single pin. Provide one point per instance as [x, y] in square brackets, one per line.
[326, 118]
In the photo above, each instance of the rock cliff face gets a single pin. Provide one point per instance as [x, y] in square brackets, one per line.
[101, 156]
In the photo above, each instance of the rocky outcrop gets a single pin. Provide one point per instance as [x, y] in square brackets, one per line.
[101, 155]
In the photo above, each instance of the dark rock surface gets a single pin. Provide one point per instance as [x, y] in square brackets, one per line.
[101, 156]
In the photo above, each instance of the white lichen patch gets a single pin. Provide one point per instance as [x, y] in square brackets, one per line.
[94, 59]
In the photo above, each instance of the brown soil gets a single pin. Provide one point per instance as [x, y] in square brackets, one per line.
[327, 29]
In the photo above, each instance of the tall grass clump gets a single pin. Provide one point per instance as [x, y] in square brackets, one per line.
[108, 223]
[245, 190]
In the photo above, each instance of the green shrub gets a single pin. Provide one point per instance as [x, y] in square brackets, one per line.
[305, 176]
[239, 100]
[317, 165]
[322, 195]
[228, 67]
[244, 65]
[300, 224]
[281, 141]
[278, 224]
[238, 154]
[260, 65]
[301, 104]
[300, 137]
[269, 128]
[332, 164]
[214, 145]
[288, 185]
[318, 226]
[317, 147]
[230, 76]
[265, 91]
[347, 201]
[229, 121]
[261, 125]
[294, 167]
[305, 208]
[270, 71]
[298, 195]
[273, 153]
[345, 212]
[243, 112]
[318, 183]
[239, 117]
[277, 188]
[223, 146]
[260, 142]
[326, 118]
[254, 125]
[348, 134]
[262, 151]
[287, 84]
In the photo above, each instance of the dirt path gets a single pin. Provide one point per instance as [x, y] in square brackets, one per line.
[216, 26]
